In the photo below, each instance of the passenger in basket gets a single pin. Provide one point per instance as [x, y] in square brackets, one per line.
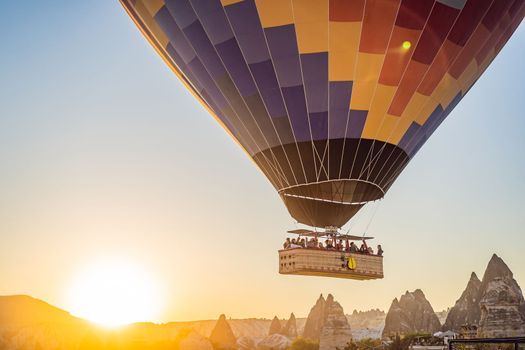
[353, 248]
[321, 245]
[379, 250]
[295, 244]
[287, 243]
[311, 243]
[328, 244]
[370, 250]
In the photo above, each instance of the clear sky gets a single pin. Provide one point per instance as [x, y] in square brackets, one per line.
[105, 155]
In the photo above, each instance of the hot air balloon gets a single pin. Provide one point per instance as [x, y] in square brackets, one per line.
[330, 98]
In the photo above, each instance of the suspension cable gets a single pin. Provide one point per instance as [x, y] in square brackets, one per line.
[378, 203]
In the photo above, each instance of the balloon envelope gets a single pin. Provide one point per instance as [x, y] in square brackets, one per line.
[330, 98]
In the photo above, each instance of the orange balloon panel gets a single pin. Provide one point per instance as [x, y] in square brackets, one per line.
[330, 98]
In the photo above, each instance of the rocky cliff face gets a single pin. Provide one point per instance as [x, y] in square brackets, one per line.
[290, 329]
[222, 336]
[495, 304]
[466, 309]
[328, 324]
[501, 302]
[411, 313]
[336, 331]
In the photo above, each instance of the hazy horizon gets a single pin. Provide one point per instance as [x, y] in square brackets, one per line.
[312, 303]
[105, 156]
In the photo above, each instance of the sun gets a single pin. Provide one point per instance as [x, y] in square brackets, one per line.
[113, 293]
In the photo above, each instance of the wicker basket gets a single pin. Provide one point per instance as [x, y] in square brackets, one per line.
[330, 263]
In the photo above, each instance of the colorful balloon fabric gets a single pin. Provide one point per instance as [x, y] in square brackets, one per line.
[330, 98]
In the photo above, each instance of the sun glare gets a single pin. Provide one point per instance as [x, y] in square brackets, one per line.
[114, 293]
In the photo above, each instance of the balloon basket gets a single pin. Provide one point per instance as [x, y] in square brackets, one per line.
[330, 263]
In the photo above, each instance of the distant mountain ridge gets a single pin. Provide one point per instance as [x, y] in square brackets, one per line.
[29, 323]
[495, 303]
[26, 322]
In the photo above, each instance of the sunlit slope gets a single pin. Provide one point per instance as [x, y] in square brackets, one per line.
[23, 310]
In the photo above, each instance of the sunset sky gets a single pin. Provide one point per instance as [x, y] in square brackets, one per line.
[105, 156]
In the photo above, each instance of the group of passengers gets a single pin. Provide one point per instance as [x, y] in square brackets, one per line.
[332, 244]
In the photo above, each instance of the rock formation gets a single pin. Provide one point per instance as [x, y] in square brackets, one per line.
[195, 341]
[274, 342]
[290, 329]
[411, 313]
[222, 336]
[442, 315]
[328, 324]
[497, 268]
[275, 326]
[501, 302]
[466, 309]
[367, 324]
[316, 319]
[495, 304]
[500, 314]
[245, 343]
[336, 331]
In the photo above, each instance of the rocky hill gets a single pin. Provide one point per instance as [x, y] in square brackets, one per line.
[23, 310]
[30, 323]
[495, 304]
[411, 313]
